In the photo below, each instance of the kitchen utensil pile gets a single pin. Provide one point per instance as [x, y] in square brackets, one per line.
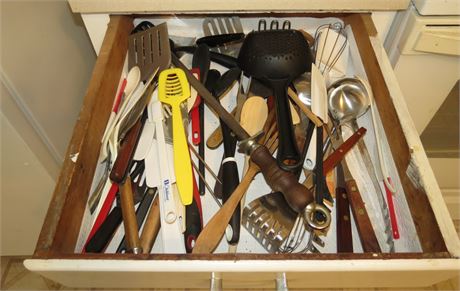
[268, 89]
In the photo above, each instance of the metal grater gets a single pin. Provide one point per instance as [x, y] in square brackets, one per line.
[269, 220]
[150, 50]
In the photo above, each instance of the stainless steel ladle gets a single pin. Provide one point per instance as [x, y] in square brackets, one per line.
[347, 100]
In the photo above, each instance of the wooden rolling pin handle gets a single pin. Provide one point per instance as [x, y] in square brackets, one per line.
[151, 227]
[129, 217]
[296, 194]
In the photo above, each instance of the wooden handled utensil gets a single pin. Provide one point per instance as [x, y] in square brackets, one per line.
[129, 218]
[343, 219]
[347, 186]
[151, 227]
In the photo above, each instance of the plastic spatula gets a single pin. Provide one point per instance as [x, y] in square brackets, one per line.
[173, 89]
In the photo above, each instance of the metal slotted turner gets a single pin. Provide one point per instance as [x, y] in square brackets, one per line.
[224, 26]
[269, 220]
[150, 50]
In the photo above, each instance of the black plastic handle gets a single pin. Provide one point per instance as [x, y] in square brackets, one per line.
[230, 180]
[230, 177]
[101, 238]
[288, 156]
[226, 81]
[220, 39]
[221, 59]
[193, 225]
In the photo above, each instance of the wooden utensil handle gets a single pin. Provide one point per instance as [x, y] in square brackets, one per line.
[151, 227]
[344, 236]
[129, 217]
[126, 152]
[334, 158]
[366, 231]
[296, 194]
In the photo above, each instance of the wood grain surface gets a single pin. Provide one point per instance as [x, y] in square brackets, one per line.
[71, 193]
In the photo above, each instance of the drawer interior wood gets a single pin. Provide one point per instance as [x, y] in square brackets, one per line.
[62, 224]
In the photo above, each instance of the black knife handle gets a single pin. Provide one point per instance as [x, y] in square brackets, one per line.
[101, 238]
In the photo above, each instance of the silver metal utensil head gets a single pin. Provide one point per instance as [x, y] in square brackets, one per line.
[270, 220]
[347, 99]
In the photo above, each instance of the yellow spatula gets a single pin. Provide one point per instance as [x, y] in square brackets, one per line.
[173, 89]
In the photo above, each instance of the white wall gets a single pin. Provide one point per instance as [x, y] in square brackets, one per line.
[26, 189]
[46, 64]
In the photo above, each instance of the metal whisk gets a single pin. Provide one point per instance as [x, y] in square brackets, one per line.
[329, 50]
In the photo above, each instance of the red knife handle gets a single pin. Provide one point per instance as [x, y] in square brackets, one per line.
[391, 209]
[195, 114]
[119, 96]
[103, 213]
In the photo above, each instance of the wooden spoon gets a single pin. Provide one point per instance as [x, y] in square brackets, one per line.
[253, 116]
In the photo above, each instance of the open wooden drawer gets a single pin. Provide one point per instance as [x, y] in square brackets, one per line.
[55, 258]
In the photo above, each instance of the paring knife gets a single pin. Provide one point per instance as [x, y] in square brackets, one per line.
[366, 232]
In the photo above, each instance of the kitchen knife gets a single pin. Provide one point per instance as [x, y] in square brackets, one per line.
[366, 232]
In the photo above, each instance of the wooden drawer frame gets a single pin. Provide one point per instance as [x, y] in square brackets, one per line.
[54, 256]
